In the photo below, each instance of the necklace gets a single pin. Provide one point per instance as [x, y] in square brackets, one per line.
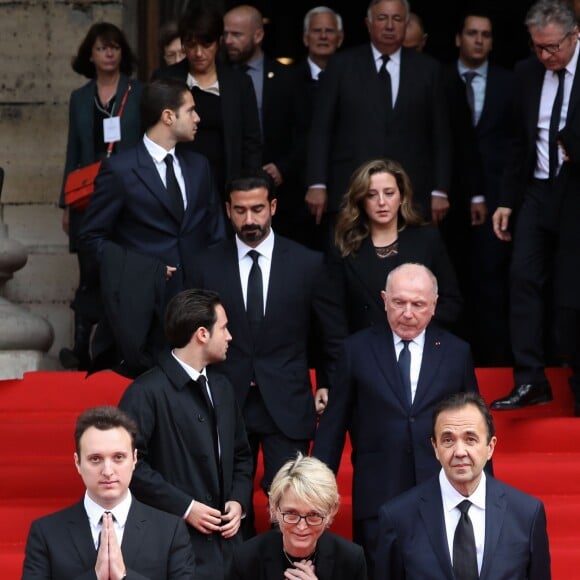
[311, 557]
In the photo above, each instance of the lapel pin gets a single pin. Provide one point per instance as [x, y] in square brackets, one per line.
[437, 343]
[270, 75]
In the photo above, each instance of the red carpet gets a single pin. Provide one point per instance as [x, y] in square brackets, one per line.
[538, 451]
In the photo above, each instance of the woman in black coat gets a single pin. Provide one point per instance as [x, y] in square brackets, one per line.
[377, 230]
[303, 501]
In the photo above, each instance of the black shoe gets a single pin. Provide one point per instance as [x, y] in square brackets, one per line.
[524, 395]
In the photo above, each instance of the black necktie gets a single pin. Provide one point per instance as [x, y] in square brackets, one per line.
[173, 187]
[385, 82]
[405, 368]
[255, 296]
[555, 123]
[202, 382]
[469, 76]
[464, 554]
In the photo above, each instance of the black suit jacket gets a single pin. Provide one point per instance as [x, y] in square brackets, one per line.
[412, 542]
[177, 461]
[359, 278]
[131, 208]
[261, 558]
[155, 545]
[350, 125]
[242, 139]
[278, 362]
[391, 441]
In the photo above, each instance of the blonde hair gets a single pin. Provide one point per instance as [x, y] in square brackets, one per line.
[312, 482]
[352, 226]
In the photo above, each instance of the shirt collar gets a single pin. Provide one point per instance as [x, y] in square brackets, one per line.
[256, 63]
[95, 511]
[315, 70]
[213, 89]
[480, 70]
[156, 151]
[452, 498]
[419, 340]
[571, 66]
[191, 372]
[377, 54]
[264, 248]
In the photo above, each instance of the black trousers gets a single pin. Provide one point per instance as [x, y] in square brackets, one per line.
[531, 276]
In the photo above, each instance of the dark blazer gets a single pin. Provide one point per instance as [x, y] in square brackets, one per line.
[242, 139]
[391, 442]
[176, 451]
[413, 542]
[155, 545]
[350, 125]
[80, 149]
[131, 207]
[360, 278]
[297, 301]
[261, 558]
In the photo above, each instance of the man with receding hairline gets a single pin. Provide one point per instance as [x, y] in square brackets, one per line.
[387, 382]
[463, 524]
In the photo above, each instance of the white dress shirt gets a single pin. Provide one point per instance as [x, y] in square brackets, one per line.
[549, 90]
[95, 513]
[265, 248]
[158, 155]
[451, 499]
[393, 67]
[315, 70]
[416, 350]
[213, 89]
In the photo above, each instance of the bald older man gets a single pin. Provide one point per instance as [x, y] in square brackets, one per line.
[278, 108]
[388, 380]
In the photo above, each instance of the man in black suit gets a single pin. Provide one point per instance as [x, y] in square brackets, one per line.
[155, 202]
[387, 382]
[542, 181]
[380, 100]
[479, 96]
[463, 524]
[194, 459]
[274, 293]
[277, 107]
[109, 534]
[322, 36]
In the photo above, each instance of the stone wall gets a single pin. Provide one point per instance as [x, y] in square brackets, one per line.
[37, 42]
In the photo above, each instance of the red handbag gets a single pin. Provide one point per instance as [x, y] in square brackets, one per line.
[80, 183]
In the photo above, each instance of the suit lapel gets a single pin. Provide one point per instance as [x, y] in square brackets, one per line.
[495, 510]
[383, 350]
[277, 281]
[135, 529]
[431, 510]
[574, 94]
[81, 536]
[149, 176]
[432, 357]
[325, 557]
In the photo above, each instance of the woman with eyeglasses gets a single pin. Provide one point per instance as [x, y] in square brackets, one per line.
[303, 501]
[378, 229]
[105, 58]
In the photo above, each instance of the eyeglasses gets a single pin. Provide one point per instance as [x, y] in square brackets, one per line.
[550, 48]
[310, 519]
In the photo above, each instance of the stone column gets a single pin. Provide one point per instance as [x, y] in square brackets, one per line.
[24, 337]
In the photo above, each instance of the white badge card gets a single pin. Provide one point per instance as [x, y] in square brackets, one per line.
[112, 129]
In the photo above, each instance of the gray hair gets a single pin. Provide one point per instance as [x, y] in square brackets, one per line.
[546, 12]
[405, 4]
[322, 10]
